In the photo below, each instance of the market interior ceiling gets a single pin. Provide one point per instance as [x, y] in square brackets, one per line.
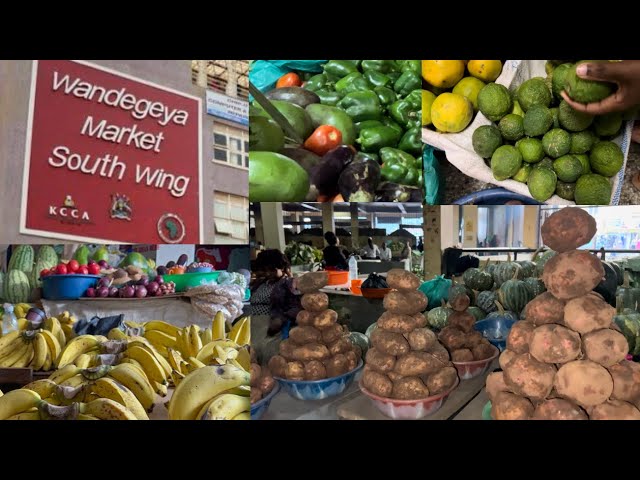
[344, 207]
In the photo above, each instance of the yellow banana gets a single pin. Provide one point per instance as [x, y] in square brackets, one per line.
[52, 343]
[64, 373]
[244, 358]
[161, 389]
[17, 355]
[236, 329]
[218, 327]
[26, 416]
[152, 368]
[23, 323]
[136, 381]
[11, 352]
[17, 401]
[160, 326]
[40, 350]
[206, 336]
[174, 358]
[48, 362]
[75, 381]
[64, 317]
[185, 367]
[133, 362]
[76, 347]
[84, 416]
[109, 388]
[45, 388]
[107, 409]
[195, 362]
[244, 337]
[195, 344]
[54, 399]
[83, 361]
[156, 337]
[224, 407]
[116, 334]
[69, 334]
[177, 377]
[200, 386]
[6, 341]
[53, 325]
[208, 352]
[242, 416]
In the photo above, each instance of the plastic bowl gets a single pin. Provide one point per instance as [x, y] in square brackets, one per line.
[408, 409]
[200, 270]
[188, 280]
[319, 389]
[337, 277]
[374, 292]
[486, 411]
[356, 286]
[494, 196]
[496, 330]
[259, 408]
[67, 287]
[468, 370]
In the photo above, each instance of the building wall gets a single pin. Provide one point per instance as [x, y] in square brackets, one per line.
[15, 78]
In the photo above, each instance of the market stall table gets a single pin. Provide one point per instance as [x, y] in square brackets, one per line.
[354, 311]
[473, 410]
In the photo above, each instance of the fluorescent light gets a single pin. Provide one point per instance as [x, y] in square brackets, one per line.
[306, 219]
[287, 226]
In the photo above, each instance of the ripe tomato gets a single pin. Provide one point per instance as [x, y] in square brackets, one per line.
[94, 269]
[83, 270]
[45, 272]
[61, 269]
[289, 80]
[73, 266]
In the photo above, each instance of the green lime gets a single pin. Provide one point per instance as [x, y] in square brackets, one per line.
[505, 162]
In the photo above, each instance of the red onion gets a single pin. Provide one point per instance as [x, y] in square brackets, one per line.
[144, 280]
[113, 291]
[91, 292]
[152, 288]
[102, 291]
[159, 280]
[141, 291]
[128, 291]
[103, 264]
[105, 282]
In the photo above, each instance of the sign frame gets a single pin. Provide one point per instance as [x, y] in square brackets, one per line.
[27, 155]
[211, 93]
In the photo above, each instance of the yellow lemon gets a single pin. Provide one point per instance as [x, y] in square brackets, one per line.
[451, 112]
[469, 87]
[442, 73]
[427, 101]
[485, 70]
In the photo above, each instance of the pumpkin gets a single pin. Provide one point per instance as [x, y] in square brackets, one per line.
[541, 260]
[438, 318]
[461, 289]
[628, 295]
[535, 286]
[619, 272]
[477, 312]
[514, 294]
[487, 301]
[629, 323]
[607, 287]
[506, 271]
[528, 268]
[502, 313]
[478, 278]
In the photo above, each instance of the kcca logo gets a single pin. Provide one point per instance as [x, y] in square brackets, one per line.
[69, 213]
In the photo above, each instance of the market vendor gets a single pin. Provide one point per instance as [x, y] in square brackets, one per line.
[333, 257]
[385, 253]
[371, 250]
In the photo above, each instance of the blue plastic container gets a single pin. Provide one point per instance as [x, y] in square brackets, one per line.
[495, 330]
[259, 408]
[319, 389]
[494, 196]
[200, 270]
[67, 287]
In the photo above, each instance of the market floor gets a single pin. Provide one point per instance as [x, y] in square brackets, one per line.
[458, 184]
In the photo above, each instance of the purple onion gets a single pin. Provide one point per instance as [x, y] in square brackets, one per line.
[113, 291]
[105, 282]
[152, 288]
[128, 291]
[141, 291]
[159, 279]
[91, 292]
[103, 264]
[91, 262]
[144, 280]
[102, 292]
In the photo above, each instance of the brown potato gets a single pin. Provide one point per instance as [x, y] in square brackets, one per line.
[336, 365]
[606, 347]
[389, 342]
[483, 351]
[588, 313]
[585, 382]
[332, 333]
[305, 318]
[472, 339]
[315, 302]
[256, 373]
[312, 282]
[377, 383]
[394, 376]
[509, 406]
[626, 382]
[409, 388]
[420, 320]
[402, 279]
[459, 303]
[505, 357]
[286, 349]
[266, 384]
[395, 322]
[442, 380]
[295, 371]
[311, 351]
[421, 339]
[352, 360]
[519, 336]
[614, 410]
[325, 319]
[558, 409]
[302, 335]
[439, 352]
[463, 321]
[414, 364]
[314, 370]
[406, 302]
[568, 229]
[342, 345]
[528, 377]
[278, 366]
[495, 383]
[256, 395]
[545, 308]
[572, 274]
[462, 355]
[452, 338]
[554, 344]
[379, 361]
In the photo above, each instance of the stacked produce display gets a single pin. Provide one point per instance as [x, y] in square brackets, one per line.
[23, 272]
[358, 128]
[262, 382]
[318, 347]
[406, 361]
[567, 360]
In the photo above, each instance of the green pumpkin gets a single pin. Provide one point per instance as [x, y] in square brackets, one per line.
[487, 301]
[438, 318]
[528, 268]
[514, 294]
[461, 289]
[502, 313]
[477, 312]
[541, 260]
[629, 323]
[506, 271]
[478, 278]
[628, 295]
[535, 286]
[619, 272]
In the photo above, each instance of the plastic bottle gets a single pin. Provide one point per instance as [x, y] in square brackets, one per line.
[353, 269]
[9, 320]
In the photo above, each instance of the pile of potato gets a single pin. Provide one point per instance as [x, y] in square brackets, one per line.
[261, 380]
[566, 361]
[406, 362]
[465, 344]
[318, 347]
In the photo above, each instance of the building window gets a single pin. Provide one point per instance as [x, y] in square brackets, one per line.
[230, 145]
[231, 216]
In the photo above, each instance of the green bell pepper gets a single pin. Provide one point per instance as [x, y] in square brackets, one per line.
[415, 98]
[360, 106]
[415, 121]
[352, 83]
[407, 82]
[316, 82]
[329, 97]
[340, 68]
[394, 76]
[389, 122]
[403, 111]
[368, 124]
[374, 138]
[411, 141]
[399, 167]
[382, 66]
[360, 156]
[377, 79]
[410, 65]
[385, 95]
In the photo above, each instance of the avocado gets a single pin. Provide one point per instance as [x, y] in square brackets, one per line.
[505, 162]
[568, 168]
[581, 142]
[485, 140]
[559, 78]
[565, 190]
[511, 127]
[608, 125]
[556, 142]
[573, 120]
[534, 92]
[494, 101]
[537, 121]
[295, 115]
[276, 178]
[542, 183]
[586, 91]
[593, 189]
[606, 158]
[265, 134]
[531, 149]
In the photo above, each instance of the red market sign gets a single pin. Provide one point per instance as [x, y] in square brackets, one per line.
[110, 158]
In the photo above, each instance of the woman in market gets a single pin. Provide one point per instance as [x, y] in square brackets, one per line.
[371, 250]
[333, 257]
[385, 253]
[275, 301]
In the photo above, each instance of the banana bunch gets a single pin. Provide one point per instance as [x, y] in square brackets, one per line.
[217, 392]
[36, 349]
[21, 309]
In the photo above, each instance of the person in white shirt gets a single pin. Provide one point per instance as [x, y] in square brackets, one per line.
[385, 253]
[371, 250]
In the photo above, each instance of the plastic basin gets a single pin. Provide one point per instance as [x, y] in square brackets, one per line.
[200, 270]
[259, 408]
[188, 280]
[496, 330]
[67, 287]
[494, 196]
[319, 389]
[337, 277]
[374, 292]
[356, 285]
[468, 370]
[409, 409]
